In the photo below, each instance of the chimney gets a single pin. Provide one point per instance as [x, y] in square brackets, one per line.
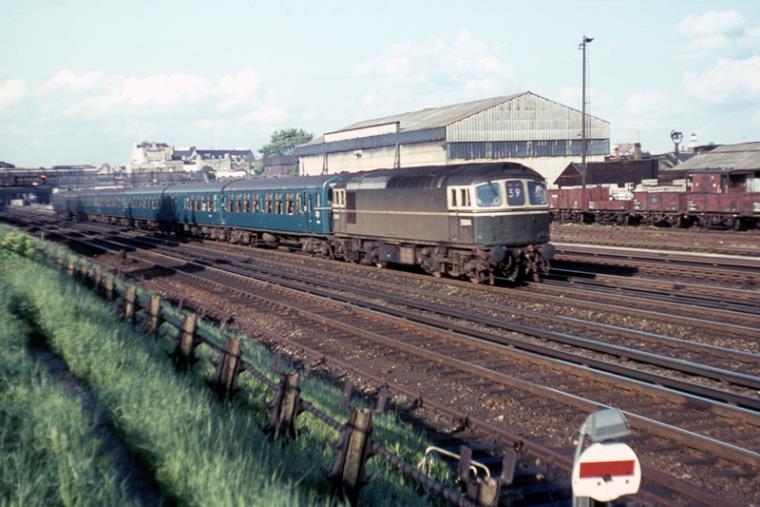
[636, 151]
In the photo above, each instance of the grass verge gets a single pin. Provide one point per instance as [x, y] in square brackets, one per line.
[200, 451]
[48, 445]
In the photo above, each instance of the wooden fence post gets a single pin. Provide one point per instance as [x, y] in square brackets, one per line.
[228, 367]
[351, 454]
[154, 314]
[130, 296]
[97, 278]
[184, 352]
[108, 286]
[285, 406]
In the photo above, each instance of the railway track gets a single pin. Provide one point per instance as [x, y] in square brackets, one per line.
[737, 271]
[722, 242]
[516, 378]
[720, 364]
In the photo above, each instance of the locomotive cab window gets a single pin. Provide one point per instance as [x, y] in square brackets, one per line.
[488, 195]
[537, 193]
[515, 193]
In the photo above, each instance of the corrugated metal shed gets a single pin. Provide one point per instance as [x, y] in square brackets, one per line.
[522, 116]
[743, 157]
[525, 117]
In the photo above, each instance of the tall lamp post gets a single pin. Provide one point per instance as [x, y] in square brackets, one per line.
[582, 46]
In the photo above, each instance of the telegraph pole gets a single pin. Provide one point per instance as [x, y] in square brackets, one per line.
[582, 46]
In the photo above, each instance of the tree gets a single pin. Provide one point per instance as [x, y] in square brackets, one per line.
[283, 141]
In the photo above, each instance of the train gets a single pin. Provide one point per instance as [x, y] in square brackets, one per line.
[472, 221]
[705, 199]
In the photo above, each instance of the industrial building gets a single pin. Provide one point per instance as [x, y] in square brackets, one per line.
[738, 164]
[525, 128]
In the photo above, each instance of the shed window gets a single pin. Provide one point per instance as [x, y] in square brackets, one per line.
[453, 198]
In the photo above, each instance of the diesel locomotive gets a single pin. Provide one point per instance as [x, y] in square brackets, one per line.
[475, 221]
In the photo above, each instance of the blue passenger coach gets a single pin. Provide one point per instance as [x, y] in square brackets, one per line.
[245, 210]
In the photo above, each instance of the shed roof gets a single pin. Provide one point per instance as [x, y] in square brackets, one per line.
[726, 157]
[434, 117]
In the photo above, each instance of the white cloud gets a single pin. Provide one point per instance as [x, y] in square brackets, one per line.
[596, 98]
[68, 81]
[649, 103]
[729, 81]
[11, 91]
[383, 66]
[164, 89]
[712, 23]
[718, 31]
[236, 88]
[270, 115]
[432, 73]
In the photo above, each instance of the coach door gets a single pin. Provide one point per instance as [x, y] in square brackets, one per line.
[308, 209]
[222, 207]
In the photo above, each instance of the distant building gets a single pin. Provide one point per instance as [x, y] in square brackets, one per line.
[154, 157]
[738, 163]
[525, 128]
[160, 157]
[609, 172]
[285, 165]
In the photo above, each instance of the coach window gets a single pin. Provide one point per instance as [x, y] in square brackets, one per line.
[488, 195]
[278, 204]
[453, 198]
[269, 203]
[298, 202]
[515, 193]
[256, 205]
[289, 203]
[537, 193]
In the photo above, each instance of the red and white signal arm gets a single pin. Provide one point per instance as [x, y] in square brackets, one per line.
[606, 471]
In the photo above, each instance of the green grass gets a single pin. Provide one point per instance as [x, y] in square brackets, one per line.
[199, 450]
[50, 454]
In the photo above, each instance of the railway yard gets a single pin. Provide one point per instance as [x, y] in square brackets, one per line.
[660, 323]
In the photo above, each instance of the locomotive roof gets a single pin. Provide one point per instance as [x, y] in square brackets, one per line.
[438, 176]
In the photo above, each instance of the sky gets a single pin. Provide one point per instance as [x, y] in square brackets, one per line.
[83, 81]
